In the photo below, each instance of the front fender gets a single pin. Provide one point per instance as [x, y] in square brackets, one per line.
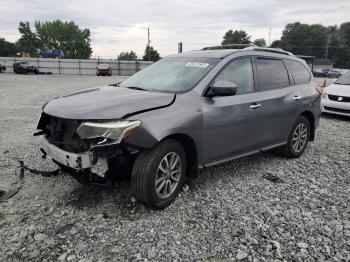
[182, 117]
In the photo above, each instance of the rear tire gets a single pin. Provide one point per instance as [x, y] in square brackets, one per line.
[298, 138]
[158, 174]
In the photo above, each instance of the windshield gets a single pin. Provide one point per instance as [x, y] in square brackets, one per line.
[173, 75]
[344, 79]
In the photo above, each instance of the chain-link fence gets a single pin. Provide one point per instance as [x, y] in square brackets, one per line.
[77, 66]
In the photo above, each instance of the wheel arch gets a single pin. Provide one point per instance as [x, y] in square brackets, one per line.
[191, 150]
[310, 117]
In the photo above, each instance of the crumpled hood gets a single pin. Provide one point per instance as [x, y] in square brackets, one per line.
[105, 102]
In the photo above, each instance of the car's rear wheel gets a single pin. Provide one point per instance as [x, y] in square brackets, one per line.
[158, 174]
[298, 138]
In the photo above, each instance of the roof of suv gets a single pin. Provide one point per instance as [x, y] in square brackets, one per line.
[207, 53]
[222, 53]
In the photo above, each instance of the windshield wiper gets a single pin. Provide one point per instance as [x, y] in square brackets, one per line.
[137, 88]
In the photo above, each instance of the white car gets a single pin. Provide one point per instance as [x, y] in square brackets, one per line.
[336, 97]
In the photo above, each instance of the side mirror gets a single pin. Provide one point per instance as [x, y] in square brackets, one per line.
[223, 88]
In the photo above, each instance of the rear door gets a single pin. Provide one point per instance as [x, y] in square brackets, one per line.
[277, 105]
[302, 78]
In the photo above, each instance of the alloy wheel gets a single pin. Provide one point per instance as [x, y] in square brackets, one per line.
[168, 175]
[299, 137]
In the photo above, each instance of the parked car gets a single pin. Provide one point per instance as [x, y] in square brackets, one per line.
[336, 97]
[318, 73]
[2, 68]
[333, 73]
[25, 68]
[325, 71]
[54, 53]
[103, 70]
[183, 113]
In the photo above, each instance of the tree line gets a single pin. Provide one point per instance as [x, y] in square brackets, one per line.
[332, 42]
[66, 36]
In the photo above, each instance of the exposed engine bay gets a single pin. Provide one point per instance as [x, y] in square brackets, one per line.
[90, 152]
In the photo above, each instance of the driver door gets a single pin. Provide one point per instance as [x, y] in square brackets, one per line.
[228, 121]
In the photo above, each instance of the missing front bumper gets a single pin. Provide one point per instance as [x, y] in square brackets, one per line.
[95, 166]
[77, 161]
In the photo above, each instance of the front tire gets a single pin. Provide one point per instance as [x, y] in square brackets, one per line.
[298, 138]
[158, 174]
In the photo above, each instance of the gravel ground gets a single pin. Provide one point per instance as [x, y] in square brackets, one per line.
[231, 212]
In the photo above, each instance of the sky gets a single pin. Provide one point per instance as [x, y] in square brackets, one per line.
[121, 25]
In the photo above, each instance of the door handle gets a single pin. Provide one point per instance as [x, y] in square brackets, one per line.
[254, 106]
[296, 98]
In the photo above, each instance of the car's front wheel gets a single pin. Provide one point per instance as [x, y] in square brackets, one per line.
[298, 138]
[158, 174]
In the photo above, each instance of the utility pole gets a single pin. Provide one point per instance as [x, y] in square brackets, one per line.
[148, 44]
[270, 37]
[327, 46]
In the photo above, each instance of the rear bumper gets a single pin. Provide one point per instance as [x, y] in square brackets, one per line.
[335, 107]
[77, 161]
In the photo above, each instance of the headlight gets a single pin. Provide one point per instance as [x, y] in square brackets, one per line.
[111, 132]
[324, 95]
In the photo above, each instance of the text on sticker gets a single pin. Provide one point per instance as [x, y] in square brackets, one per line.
[194, 64]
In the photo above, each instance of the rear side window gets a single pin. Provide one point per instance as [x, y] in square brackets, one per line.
[299, 72]
[272, 74]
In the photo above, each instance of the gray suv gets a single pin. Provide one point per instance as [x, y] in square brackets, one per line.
[184, 113]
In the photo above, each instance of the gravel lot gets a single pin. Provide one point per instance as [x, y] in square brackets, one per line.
[231, 212]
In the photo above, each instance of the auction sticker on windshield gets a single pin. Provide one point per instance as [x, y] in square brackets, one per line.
[196, 64]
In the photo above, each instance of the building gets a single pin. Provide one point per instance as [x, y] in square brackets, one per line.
[308, 59]
[322, 63]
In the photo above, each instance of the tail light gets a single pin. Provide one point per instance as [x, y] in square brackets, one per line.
[319, 90]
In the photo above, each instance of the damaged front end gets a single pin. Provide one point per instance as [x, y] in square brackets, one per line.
[91, 151]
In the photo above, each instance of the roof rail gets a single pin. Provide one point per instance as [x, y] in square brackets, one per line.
[231, 46]
[267, 49]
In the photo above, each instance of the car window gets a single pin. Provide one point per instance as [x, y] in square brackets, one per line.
[272, 74]
[174, 75]
[299, 72]
[240, 72]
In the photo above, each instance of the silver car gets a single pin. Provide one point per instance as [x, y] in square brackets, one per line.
[186, 112]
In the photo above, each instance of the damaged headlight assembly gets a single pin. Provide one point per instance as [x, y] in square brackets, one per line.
[108, 132]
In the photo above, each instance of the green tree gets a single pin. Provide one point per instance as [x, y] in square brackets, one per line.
[65, 36]
[276, 44]
[305, 39]
[7, 48]
[339, 47]
[127, 56]
[151, 54]
[28, 42]
[344, 32]
[261, 42]
[236, 37]
[317, 40]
